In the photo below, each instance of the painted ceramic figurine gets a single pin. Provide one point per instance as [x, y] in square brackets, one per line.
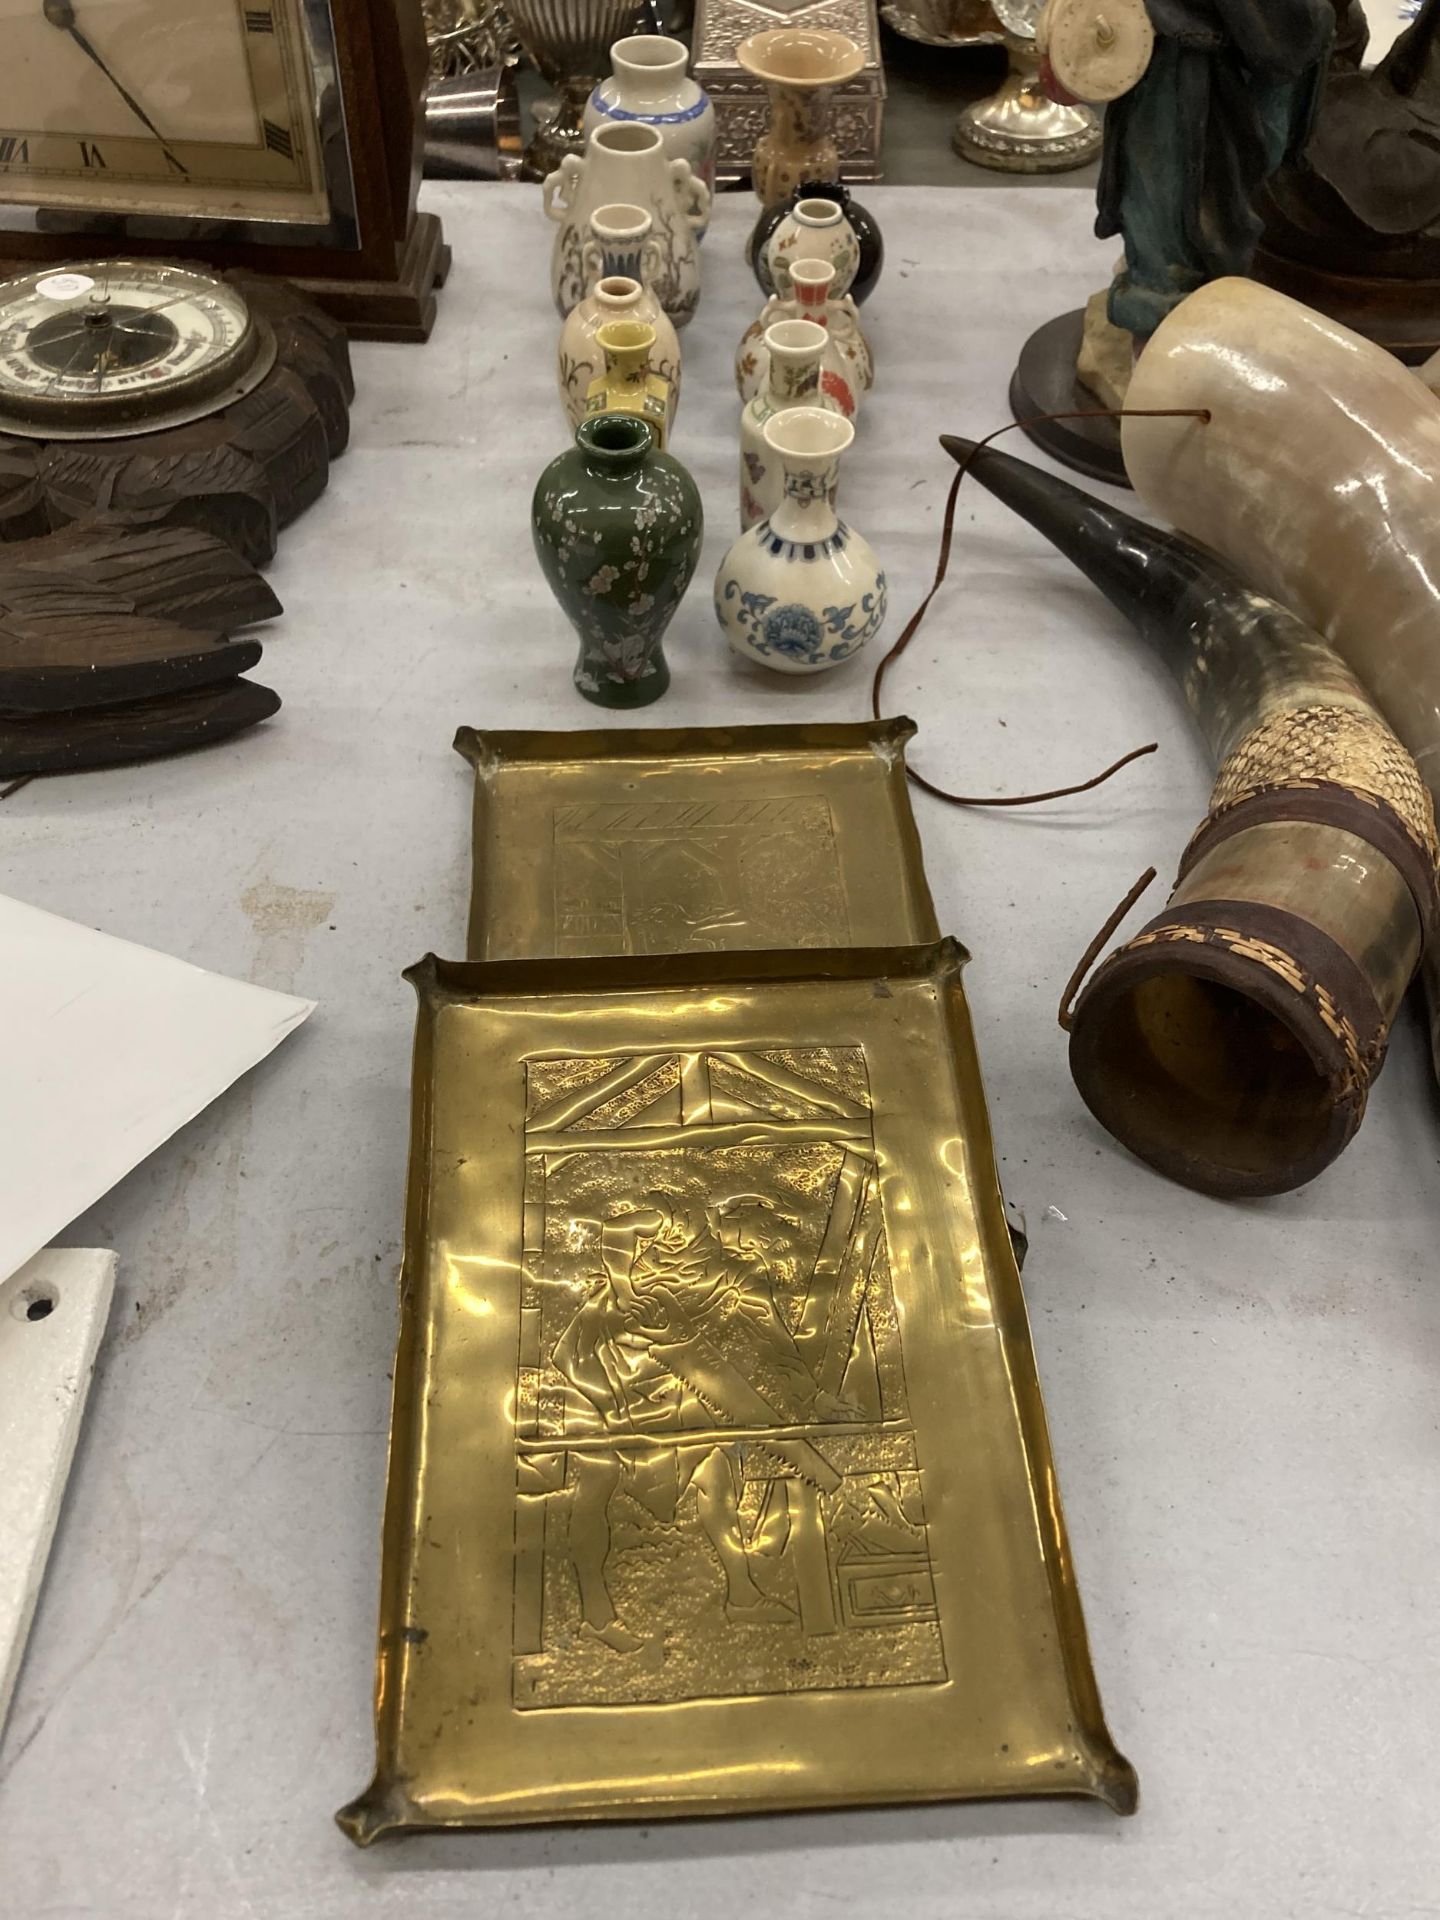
[1228, 97]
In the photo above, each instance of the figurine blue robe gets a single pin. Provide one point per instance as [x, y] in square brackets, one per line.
[1228, 97]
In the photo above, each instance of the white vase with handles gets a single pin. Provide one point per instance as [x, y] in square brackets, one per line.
[626, 161]
[847, 370]
[618, 258]
[650, 82]
[794, 350]
[800, 591]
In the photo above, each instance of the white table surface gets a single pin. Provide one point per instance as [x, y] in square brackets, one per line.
[1243, 1398]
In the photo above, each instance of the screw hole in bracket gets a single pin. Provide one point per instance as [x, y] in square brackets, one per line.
[35, 1303]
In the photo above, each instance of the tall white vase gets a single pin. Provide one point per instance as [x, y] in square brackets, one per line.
[794, 350]
[800, 591]
[650, 82]
[625, 161]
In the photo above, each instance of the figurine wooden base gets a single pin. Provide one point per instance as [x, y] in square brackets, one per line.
[1403, 316]
[1044, 382]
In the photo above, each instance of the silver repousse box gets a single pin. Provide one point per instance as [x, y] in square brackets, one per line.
[742, 110]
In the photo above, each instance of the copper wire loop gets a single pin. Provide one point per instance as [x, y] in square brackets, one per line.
[947, 539]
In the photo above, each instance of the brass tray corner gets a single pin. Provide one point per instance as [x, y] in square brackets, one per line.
[719, 1476]
[698, 839]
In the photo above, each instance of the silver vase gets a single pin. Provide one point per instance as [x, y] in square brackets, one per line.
[569, 41]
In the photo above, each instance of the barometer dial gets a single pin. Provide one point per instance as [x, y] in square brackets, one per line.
[123, 347]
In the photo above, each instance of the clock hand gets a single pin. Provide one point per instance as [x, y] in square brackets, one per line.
[61, 14]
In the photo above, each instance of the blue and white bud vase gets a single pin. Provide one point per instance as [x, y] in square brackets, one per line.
[649, 82]
[800, 591]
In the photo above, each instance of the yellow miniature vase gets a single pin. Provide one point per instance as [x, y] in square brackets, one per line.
[628, 385]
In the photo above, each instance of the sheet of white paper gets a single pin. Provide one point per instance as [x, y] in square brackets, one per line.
[52, 1314]
[105, 1050]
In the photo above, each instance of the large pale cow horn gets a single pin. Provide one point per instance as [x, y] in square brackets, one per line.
[1232, 1042]
[1318, 477]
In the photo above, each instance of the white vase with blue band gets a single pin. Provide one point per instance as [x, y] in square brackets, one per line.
[650, 83]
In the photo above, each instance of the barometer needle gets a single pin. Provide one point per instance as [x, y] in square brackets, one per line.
[61, 14]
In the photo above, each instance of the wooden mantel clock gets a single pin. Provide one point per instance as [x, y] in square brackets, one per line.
[279, 136]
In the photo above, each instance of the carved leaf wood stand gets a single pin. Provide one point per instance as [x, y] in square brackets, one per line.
[125, 565]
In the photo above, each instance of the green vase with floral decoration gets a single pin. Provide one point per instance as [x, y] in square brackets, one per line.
[617, 527]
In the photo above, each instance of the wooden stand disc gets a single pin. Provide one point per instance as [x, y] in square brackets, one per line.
[1045, 382]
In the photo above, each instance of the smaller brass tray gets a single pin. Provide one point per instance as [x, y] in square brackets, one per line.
[719, 1476]
[694, 840]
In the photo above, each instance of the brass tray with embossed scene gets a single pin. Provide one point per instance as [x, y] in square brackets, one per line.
[719, 1475]
[694, 840]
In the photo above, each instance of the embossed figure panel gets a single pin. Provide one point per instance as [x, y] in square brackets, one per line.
[695, 840]
[718, 1485]
[719, 1477]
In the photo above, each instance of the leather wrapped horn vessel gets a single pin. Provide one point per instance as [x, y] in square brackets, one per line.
[1233, 1041]
[1317, 477]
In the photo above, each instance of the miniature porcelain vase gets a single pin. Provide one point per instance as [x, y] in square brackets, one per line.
[617, 527]
[618, 252]
[846, 368]
[813, 229]
[800, 591]
[799, 67]
[625, 161]
[649, 83]
[627, 385]
[863, 225]
[794, 350]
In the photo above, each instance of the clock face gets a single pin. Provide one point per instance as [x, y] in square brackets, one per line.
[122, 347]
[186, 107]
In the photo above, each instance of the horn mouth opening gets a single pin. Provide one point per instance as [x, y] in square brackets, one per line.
[1206, 1063]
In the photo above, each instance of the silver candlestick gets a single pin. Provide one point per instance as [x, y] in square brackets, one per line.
[1020, 129]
